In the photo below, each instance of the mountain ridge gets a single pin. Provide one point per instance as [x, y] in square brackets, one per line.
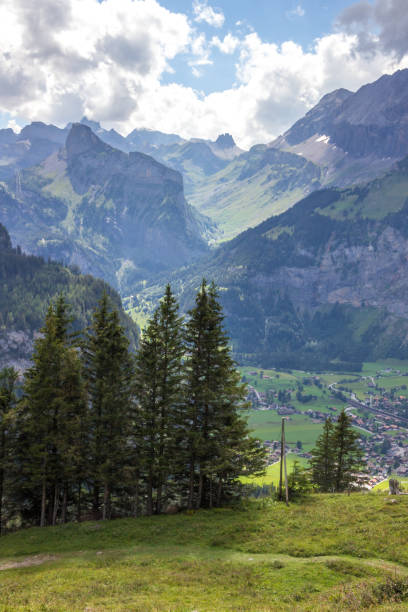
[114, 214]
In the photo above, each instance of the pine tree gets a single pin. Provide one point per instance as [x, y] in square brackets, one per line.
[347, 453]
[51, 409]
[147, 394]
[337, 457]
[41, 406]
[322, 462]
[8, 400]
[72, 433]
[108, 374]
[170, 376]
[218, 447]
[159, 392]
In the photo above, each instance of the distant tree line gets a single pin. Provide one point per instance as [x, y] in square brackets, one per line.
[95, 431]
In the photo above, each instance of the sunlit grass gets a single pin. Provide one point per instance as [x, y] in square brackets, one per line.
[258, 556]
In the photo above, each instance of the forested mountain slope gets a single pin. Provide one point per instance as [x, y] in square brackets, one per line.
[326, 281]
[28, 284]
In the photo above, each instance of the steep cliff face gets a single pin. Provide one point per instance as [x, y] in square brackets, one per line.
[354, 136]
[120, 216]
[323, 283]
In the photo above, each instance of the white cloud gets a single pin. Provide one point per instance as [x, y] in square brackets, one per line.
[14, 126]
[298, 11]
[204, 12]
[201, 51]
[92, 57]
[228, 45]
[107, 60]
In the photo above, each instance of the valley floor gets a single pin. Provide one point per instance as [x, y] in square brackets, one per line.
[332, 552]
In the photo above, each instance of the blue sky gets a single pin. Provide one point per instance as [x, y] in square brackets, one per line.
[275, 21]
[193, 67]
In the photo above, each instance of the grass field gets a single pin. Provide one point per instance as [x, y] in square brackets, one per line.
[273, 471]
[383, 486]
[332, 552]
[266, 425]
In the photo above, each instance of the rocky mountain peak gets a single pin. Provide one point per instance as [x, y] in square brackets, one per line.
[37, 130]
[94, 125]
[336, 97]
[225, 141]
[81, 139]
[7, 136]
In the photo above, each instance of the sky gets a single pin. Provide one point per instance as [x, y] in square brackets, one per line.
[196, 68]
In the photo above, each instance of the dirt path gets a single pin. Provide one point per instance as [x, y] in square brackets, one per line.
[27, 562]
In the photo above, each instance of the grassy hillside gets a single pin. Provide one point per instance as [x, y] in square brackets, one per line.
[333, 552]
[252, 187]
[272, 471]
[384, 485]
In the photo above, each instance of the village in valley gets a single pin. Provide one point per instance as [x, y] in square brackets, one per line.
[376, 400]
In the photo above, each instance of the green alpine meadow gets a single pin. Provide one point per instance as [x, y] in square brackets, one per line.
[203, 306]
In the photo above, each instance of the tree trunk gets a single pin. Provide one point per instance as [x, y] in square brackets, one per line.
[64, 504]
[55, 505]
[136, 501]
[190, 502]
[43, 501]
[149, 501]
[211, 494]
[106, 504]
[159, 498]
[219, 492]
[79, 503]
[95, 503]
[200, 490]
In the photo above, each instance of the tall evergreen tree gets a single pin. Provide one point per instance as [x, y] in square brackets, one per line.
[8, 400]
[322, 462]
[347, 453]
[337, 457]
[217, 441]
[147, 395]
[170, 376]
[52, 403]
[41, 406]
[159, 392]
[108, 374]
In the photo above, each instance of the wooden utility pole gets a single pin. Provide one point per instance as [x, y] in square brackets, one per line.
[281, 462]
[283, 467]
[284, 463]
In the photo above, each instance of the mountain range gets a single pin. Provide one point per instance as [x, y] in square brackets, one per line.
[317, 276]
[119, 216]
[324, 283]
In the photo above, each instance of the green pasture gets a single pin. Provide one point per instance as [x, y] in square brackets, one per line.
[383, 486]
[273, 471]
[327, 553]
[266, 425]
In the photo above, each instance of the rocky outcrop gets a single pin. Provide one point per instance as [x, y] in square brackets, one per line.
[16, 348]
[355, 136]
